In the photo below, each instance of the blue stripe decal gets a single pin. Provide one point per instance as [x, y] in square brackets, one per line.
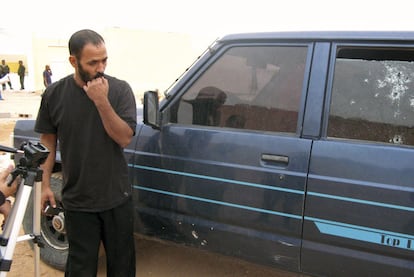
[371, 235]
[348, 199]
[218, 179]
[338, 229]
[218, 202]
[366, 202]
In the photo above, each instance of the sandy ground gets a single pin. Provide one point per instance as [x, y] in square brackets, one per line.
[154, 258]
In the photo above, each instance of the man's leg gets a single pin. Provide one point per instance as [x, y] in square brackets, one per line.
[1, 97]
[3, 85]
[118, 239]
[4, 79]
[83, 233]
[21, 82]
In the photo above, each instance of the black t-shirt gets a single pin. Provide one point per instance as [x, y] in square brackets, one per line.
[95, 173]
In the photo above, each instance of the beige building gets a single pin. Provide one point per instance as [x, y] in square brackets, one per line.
[146, 59]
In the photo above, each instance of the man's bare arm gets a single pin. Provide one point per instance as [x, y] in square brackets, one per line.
[114, 126]
[97, 90]
[49, 141]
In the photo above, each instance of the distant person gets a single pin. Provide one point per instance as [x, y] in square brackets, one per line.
[5, 70]
[21, 71]
[47, 76]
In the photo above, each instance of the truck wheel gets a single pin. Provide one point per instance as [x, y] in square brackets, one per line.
[54, 250]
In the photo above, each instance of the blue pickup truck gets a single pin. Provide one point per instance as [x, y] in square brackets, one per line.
[292, 150]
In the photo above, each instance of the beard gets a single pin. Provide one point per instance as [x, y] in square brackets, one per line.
[85, 76]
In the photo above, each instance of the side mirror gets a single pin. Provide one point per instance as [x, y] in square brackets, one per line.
[151, 114]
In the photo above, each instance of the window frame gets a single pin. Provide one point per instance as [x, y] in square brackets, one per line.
[188, 83]
[330, 82]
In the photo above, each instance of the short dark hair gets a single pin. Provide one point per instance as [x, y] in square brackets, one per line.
[79, 39]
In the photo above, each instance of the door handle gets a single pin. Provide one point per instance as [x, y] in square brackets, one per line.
[275, 159]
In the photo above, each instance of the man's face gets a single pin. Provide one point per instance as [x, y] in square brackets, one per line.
[92, 62]
[85, 75]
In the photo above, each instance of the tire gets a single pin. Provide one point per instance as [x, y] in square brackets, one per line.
[54, 250]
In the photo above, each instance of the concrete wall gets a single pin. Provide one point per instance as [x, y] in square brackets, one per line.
[146, 59]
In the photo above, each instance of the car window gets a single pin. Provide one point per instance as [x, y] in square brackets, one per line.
[373, 95]
[256, 88]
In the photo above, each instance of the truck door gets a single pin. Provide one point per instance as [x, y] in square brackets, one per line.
[359, 206]
[227, 171]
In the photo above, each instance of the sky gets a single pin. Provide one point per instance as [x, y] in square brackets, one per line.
[213, 18]
[209, 17]
[58, 19]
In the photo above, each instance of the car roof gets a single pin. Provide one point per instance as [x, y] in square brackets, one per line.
[405, 36]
